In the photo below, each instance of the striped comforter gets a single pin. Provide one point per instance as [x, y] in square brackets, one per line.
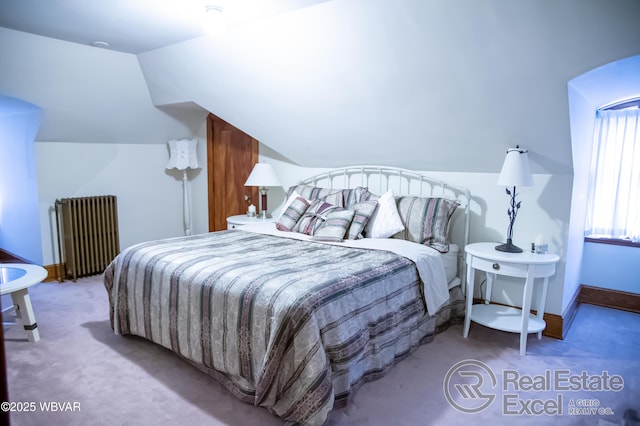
[290, 325]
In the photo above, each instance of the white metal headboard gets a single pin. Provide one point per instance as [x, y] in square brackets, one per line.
[379, 179]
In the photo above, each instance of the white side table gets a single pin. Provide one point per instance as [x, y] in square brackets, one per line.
[238, 221]
[527, 265]
[15, 279]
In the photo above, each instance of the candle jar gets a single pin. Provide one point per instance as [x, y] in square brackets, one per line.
[542, 248]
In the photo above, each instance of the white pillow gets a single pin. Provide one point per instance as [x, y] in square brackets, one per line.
[385, 221]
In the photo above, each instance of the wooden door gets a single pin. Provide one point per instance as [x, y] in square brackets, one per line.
[231, 155]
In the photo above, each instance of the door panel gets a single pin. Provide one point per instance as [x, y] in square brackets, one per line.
[231, 155]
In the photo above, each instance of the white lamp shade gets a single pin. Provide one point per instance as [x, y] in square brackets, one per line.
[515, 170]
[262, 175]
[183, 154]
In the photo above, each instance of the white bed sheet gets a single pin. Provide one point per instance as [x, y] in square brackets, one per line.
[450, 262]
[428, 261]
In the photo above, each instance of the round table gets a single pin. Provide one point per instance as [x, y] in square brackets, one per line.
[15, 279]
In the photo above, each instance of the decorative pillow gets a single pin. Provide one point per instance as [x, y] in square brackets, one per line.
[363, 212]
[316, 211]
[369, 196]
[310, 192]
[426, 220]
[287, 203]
[332, 196]
[385, 220]
[354, 196]
[333, 226]
[349, 197]
[334, 199]
[293, 212]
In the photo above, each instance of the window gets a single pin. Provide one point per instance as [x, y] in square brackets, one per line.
[613, 203]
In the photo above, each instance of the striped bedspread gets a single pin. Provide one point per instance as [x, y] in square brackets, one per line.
[293, 326]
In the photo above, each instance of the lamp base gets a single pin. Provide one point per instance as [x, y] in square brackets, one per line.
[509, 247]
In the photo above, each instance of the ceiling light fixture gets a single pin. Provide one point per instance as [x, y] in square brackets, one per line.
[102, 44]
[214, 20]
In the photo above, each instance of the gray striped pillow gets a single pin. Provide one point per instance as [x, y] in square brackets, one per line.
[333, 226]
[426, 220]
[290, 216]
[338, 197]
[363, 212]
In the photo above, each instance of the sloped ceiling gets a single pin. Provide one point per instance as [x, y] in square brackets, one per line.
[132, 26]
[422, 84]
[429, 85]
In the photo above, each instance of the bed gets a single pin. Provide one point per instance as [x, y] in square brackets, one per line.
[295, 315]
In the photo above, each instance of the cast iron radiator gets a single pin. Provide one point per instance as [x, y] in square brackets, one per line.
[87, 234]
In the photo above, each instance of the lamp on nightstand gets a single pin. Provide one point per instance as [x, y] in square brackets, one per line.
[183, 156]
[263, 176]
[515, 172]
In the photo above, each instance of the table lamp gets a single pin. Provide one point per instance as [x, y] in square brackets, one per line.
[263, 176]
[515, 172]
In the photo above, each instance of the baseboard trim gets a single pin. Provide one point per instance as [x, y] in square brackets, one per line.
[615, 299]
[53, 273]
[554, 322]
[554, 327]
[558, 325]
[570, 312]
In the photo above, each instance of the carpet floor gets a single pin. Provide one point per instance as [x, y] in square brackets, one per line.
[81, 373]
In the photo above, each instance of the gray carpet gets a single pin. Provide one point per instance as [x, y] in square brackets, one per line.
[115, 380]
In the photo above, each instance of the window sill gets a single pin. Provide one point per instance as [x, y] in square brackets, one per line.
[612, 241]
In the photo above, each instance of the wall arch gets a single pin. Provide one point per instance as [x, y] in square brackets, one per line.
[19, 211]
[601, 86]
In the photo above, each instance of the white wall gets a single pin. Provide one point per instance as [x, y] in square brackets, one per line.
[612, 267]
[19, 222]
[149, 196]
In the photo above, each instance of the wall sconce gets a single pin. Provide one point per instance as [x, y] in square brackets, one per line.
[183, 155]
[515, 172]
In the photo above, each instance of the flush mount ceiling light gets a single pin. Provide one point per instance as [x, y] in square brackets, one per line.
[102, 44]
[214, 20]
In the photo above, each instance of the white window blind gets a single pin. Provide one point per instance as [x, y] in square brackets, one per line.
[613, 203]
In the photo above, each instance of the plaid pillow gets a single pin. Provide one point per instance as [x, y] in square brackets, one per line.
[290, 216]
[363, 212]
[333, 226]
[426, 220]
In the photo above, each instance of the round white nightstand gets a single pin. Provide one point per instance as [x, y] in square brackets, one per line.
[238, 221]
[484, 257]
[15, 279]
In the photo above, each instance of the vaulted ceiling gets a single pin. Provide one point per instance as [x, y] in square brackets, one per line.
[429, 85]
